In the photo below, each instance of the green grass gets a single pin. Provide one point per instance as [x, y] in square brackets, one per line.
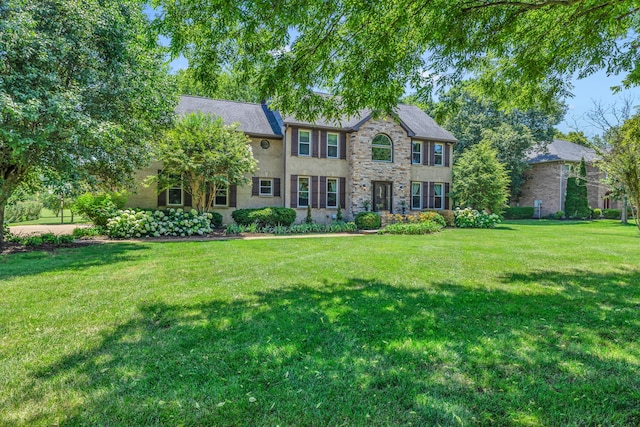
[533, 323]
[47, 217]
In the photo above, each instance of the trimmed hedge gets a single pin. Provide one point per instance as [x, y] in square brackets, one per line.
[611, 213]
[423, 227]
[264, 217]
[519, 212]
[368, 221]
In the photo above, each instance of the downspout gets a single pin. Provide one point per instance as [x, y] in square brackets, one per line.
[284, 161]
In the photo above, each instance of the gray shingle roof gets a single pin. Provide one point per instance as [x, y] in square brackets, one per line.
[415, 121]
[560, 150]
[259, 120]
[254, 119]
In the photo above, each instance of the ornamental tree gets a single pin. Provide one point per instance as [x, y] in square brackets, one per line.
[204, 155]
[83, 88]
[480, 181]
[367, 53]
[576, 204]
[621, 162]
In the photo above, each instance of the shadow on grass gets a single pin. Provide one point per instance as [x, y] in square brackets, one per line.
[67, 259]
[365, 352]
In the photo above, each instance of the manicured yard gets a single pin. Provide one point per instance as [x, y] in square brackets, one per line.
[533, 323]
[47, 217]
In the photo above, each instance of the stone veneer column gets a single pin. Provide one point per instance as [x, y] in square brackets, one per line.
[363, 171]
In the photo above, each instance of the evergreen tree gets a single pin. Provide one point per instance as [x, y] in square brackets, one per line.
[576, 204]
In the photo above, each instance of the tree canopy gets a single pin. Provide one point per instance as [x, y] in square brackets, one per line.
[229, 85]
[480, 181]
[368, 53]
[203, 155]
[83, 88]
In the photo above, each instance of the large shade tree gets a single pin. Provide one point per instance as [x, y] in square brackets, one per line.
[368, 53]
[83, 88]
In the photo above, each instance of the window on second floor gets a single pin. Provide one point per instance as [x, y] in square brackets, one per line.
[416, 153]
[332, 145]
[304, 143]
[381, 149]
[438, 154]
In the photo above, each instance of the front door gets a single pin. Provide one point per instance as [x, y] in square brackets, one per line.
[382, 196]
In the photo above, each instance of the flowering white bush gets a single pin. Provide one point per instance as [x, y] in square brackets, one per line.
[172, 222]
[471, 218]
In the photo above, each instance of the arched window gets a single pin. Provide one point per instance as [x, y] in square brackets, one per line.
[381, 149]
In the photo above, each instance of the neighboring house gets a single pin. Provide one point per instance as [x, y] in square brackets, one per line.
[546, 180]
[393, 162]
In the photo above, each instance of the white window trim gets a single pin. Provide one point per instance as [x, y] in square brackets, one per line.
[215, 196]
[337, 156]
[260, 193]
[390, 147]
[441, 155]
[181, 196]
[308, 191]
[441, 197]
[418, 195]
[337, 193]
[413, 152]
[310, 142]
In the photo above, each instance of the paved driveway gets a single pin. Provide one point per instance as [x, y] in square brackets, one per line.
[28, 230]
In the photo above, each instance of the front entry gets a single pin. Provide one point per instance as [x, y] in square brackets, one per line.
[382, 196]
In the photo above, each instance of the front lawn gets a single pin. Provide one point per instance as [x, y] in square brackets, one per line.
[531, 323]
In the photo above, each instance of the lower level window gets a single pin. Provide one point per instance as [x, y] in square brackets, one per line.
[416, 199]
[266, 187]
[303, 192]
[174, 196]
[332, 193]
[221, 197]
[438, 196]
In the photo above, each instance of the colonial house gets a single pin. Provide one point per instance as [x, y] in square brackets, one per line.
[546, 181]
[396, 163]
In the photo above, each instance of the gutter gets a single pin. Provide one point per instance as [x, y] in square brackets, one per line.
[284, 168]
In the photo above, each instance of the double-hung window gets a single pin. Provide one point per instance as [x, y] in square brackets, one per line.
[304, 143]
[266, 187]
[175, 195]
[222, 196]
[332, 145]
[332, 192]
[438, 196]
[438, 154]
[416, 153]
[303, 191]
[416, 195]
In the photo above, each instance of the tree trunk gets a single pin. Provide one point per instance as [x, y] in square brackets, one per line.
[62, 210]
[3, 203]
[623, 213]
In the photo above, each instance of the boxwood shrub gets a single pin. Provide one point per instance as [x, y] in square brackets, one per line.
[611, 213]
[216, 220]
[264, 217]
[518, 212]
[367, 221]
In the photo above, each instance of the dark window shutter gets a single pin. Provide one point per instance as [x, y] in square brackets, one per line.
[314, 143]
[323, 144]
[323, 192]
[188, 200]
[425, 195]
[314, 191]
[343, 145]
[447, 155]
[233, 196]
[343, 192]
[425, 153]
[447, 200]
[432, 154]
[432, 195]
[276, 187]
[294, 141]
[162, 196]
[294, 191]
[255, 186]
